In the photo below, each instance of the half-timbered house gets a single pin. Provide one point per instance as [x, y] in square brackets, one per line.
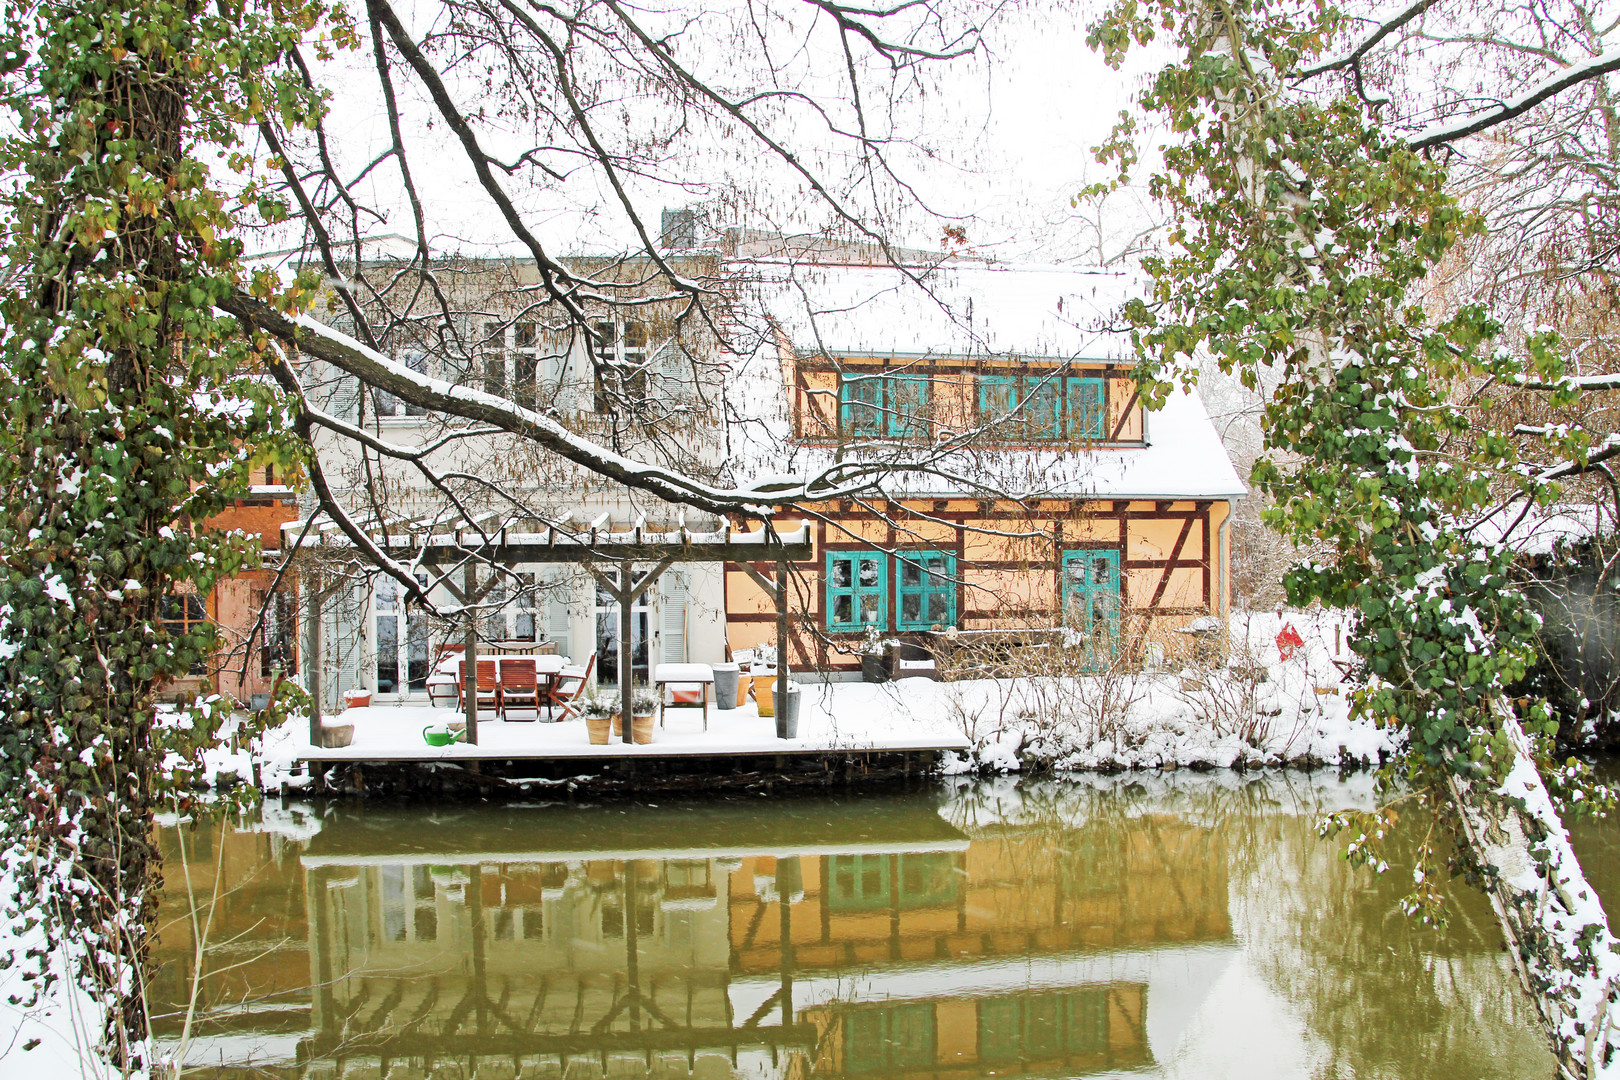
[1039, 492]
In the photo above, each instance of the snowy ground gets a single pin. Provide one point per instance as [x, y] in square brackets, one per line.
[1255, 708]
[51, 1038]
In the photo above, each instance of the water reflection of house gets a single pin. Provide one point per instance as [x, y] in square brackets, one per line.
[700, 941]
[1020, 893]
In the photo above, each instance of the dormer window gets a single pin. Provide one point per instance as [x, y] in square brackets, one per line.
[1044, 407]
[889, 406]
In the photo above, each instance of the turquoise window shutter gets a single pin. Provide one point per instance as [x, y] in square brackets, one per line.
[857, 590]
[925, 589]
[860, 405]
[1088, 411]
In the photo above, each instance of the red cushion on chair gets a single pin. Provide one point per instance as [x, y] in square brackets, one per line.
[686, 697]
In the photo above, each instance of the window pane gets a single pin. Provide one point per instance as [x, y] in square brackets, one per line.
[385, 403]
[863, 405]
[910, 572]
[910, 394]
[1044, 1038]
[869, 572]
[843, 611]
[996, 397]
[1043, 410]
[841, 574]
[869, 610]
[911, 607]
[939, 608]
[1087, 415]
[523, 381]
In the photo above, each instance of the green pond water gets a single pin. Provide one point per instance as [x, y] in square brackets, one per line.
[1186, 926]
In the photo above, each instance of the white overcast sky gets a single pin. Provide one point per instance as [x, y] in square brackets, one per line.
[1013, 133]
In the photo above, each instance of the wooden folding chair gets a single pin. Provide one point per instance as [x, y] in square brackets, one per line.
[568, 684]
[519, 687]
[489, 689]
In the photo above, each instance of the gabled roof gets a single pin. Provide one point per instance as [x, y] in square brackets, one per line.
[956, 309]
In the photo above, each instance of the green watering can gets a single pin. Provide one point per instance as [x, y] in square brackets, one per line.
[441, 737]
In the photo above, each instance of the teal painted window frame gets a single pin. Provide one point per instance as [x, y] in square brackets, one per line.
[1042, 1026]
[928, 585]
[853, 589]
[866, 882]
[1100, 597]
[889, 1038]
[1053, 408]
[892, 406]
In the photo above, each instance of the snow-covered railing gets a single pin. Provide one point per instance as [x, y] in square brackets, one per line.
[559, 544]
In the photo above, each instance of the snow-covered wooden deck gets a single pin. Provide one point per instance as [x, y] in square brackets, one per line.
[830, 723]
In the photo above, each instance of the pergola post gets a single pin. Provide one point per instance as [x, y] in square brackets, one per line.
[469, 656]
[314, 660]
[627, 593]
[781, 638]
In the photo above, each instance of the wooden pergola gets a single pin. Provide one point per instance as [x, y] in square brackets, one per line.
[612, 558]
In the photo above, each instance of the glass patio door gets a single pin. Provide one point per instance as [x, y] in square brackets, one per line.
[607, 639]
[401, 636]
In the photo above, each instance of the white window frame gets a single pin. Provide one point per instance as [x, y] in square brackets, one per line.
[389, 409]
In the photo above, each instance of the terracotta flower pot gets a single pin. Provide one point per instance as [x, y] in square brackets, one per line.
[597, 728]
[618, 726]
[641, 729]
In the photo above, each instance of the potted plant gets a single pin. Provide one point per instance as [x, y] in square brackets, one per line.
[643, 707]
[598, 716]
[874, 664]
[762, 674]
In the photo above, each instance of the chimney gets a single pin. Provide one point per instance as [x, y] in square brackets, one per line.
[679, 230]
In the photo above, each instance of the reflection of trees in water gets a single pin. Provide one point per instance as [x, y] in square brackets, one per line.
[1382, 993]
[1377, 987]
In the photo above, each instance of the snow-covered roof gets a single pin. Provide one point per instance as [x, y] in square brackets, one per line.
[972, 311]
[1182, 459]
[959, 309]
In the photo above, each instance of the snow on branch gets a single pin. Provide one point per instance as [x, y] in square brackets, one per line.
[838, 480]
[1575, 74]
[1383, 26]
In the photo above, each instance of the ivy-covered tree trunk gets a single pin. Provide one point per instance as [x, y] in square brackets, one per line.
[132, 415]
